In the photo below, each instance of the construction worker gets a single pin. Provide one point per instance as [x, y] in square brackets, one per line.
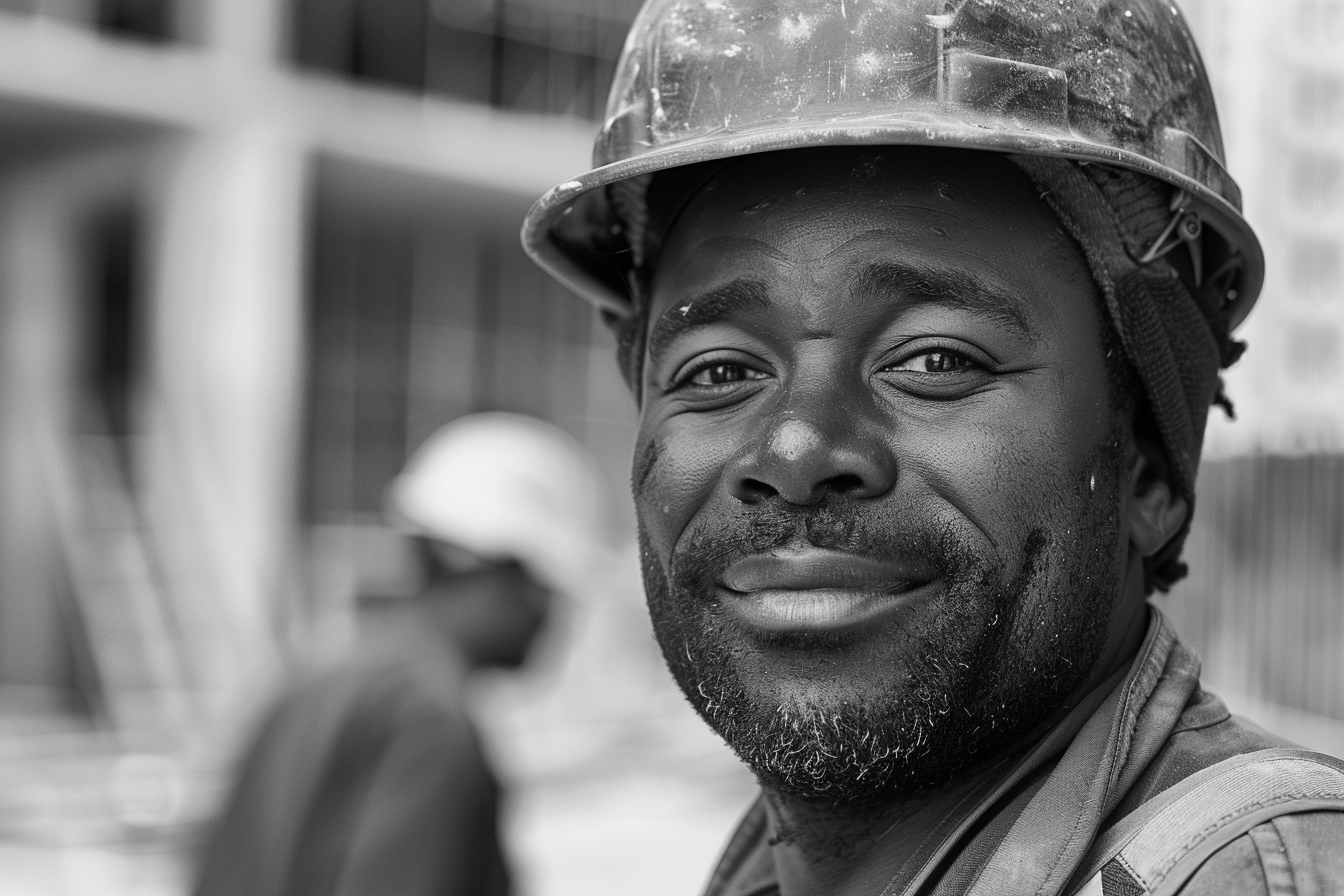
[369, 777]
[924, 304]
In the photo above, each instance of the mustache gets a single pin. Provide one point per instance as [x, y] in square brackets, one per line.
[841, 524]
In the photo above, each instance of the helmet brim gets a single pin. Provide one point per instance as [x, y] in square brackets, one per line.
[566, 264]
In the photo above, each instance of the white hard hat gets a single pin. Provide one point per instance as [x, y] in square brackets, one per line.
[506, 486]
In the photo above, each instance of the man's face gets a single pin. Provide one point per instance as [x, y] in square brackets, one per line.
[879, 476]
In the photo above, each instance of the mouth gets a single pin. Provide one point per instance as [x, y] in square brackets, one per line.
[812, 590]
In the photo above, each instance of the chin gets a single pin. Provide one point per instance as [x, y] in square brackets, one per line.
[867, 716]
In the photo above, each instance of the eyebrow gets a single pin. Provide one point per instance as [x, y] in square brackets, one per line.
[953, 289]
[710, 307]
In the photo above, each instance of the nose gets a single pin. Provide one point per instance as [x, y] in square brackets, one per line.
[806, 458]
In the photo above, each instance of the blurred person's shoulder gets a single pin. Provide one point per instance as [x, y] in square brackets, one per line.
[415, 676]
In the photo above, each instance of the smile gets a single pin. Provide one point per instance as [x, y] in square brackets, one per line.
[815, 590]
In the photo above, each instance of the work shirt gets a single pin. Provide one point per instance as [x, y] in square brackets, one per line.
[1027, 830]
[368, 778]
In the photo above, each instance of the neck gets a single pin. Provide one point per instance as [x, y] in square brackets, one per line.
[839, 850]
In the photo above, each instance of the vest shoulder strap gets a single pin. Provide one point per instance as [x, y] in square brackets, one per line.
[1155, 849]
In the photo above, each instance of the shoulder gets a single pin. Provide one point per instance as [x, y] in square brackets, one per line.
[1292, 855]
[1205, 734]
[1300, 852]
[366, 701]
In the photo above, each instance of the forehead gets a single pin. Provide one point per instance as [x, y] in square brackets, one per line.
[957, 195]
[810, 220]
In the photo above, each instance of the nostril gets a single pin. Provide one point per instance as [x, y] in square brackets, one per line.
[750, 491]
[844, 483]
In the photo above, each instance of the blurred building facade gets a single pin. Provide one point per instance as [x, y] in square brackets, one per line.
[253, 251]
[255, 286]
[1265, 601]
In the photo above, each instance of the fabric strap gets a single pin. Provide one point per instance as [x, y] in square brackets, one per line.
[1051, 837]
[1157, 848]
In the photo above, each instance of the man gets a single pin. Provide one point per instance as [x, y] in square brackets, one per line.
[925, 306]
[369, 778]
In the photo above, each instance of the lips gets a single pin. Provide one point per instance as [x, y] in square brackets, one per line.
[816, 590]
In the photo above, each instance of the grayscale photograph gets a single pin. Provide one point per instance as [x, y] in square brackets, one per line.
[671, 447]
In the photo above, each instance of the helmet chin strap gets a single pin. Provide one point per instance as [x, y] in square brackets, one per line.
[1185, 228]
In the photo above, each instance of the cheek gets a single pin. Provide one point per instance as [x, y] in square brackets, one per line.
[983, 468]
[676, 473]
[1017, 460]
[1084, 426]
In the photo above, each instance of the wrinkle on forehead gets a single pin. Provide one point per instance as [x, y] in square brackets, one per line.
[809, 264]
[727, 244]
[901, 239]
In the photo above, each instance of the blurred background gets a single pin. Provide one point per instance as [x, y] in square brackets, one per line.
[252, 252]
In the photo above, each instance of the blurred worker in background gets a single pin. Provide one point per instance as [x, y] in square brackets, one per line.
[370, 777]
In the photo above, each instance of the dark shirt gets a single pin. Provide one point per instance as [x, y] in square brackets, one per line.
[366, 779]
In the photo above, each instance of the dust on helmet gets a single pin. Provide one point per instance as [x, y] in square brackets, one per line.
[1117, 82]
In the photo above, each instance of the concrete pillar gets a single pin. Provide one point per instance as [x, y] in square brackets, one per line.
[36, 298]
[250, 29]
[226, 386]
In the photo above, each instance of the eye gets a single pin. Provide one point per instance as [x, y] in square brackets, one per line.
[721, 374]
[940, 360]
[939, 369]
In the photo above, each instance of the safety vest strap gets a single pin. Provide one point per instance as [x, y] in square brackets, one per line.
[1155, 849]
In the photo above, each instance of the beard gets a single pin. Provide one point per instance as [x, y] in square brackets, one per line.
[993, 654]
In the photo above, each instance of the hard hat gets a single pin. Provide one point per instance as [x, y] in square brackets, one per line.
[507, 487]
[1118, 82]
